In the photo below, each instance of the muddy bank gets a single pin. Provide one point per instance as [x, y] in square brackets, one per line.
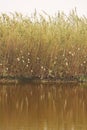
[21, 79]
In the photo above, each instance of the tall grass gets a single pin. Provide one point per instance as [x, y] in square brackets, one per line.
[38, 47]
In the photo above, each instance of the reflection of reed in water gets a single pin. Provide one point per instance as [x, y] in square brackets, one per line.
[51, 107]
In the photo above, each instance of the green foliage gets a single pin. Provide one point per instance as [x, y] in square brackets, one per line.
[38, 47]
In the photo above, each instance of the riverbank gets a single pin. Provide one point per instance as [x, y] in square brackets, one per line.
[17, 80]
[53, 49]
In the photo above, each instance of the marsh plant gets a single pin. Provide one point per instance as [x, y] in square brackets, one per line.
[43, 47]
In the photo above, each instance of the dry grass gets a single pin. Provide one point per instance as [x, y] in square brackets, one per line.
[56, 47]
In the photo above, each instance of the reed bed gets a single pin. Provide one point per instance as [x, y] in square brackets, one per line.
[36, 47]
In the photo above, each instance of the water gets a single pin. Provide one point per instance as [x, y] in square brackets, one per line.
[43, 107]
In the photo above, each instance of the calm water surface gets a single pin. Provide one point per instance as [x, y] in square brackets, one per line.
[43, 107]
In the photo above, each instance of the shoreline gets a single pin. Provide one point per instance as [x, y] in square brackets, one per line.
[18, 80]
[44, 50]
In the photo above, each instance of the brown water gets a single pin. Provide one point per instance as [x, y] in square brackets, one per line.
[43, 107]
